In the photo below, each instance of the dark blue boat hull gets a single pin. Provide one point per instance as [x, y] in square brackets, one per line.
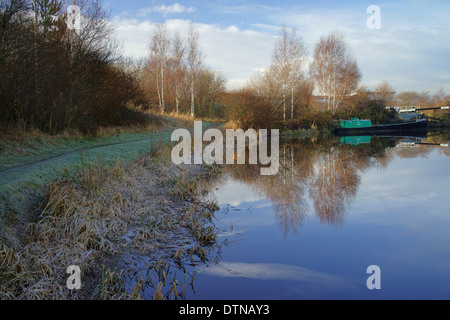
[385, 129]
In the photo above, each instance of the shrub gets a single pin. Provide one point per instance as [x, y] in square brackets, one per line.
[247, 110]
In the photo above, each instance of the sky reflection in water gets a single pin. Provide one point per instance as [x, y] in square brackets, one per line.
[333, 210]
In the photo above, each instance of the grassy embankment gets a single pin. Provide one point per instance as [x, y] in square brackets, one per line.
[100, 218]
[19, 147]
[30, 160]
[104, 220]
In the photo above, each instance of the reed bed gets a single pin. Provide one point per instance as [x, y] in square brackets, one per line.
[106, 219]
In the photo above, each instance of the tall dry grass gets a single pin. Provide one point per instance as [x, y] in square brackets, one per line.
[188, 117]
[84, 220]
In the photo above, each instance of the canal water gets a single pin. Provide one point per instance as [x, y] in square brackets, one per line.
[336, 207]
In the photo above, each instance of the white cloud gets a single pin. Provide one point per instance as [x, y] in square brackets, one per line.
[411, 56]
[273, 271]
[135, 36]
[175, 8]
[236, 53]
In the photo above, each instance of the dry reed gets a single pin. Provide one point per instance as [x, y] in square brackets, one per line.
[84, 222]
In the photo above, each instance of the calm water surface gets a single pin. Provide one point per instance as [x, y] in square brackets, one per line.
[335, 208]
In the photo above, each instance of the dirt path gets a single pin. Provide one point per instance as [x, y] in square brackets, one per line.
[25, 183]
[23, 187]
[63, 154]
[73, 160]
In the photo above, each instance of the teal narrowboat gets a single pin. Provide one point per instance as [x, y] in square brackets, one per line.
[355, 123]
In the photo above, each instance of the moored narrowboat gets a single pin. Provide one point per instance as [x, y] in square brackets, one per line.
[365, 127]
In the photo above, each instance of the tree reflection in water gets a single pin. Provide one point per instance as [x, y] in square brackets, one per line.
[326, 171]
[333, 185]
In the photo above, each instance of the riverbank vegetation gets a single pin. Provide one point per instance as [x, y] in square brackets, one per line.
[31, 160]
[56, 79]
[20, 146]
[289, 94]
[104, 220]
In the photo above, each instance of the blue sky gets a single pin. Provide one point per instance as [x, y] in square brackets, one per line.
[411, 50]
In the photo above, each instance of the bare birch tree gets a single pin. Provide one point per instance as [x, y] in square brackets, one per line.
[194, 60]
[159, 49]
[333, 70]
[288, 58]
[178, 55]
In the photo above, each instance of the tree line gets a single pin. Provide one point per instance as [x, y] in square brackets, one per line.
[175, 78]
[53, 78]
[316, 94]
[286, 90]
